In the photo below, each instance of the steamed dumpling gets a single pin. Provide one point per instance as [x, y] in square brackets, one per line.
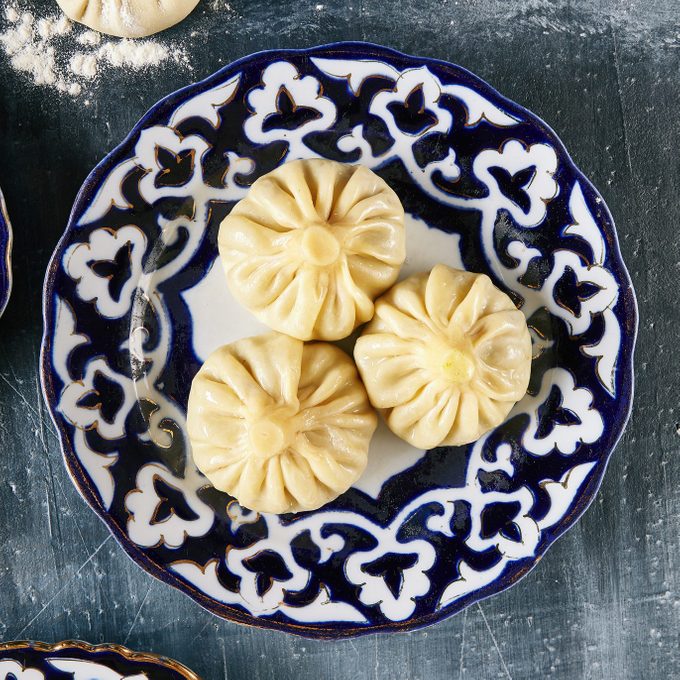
[280, 425]
[312, 245]
[445, 358]
[128, 18]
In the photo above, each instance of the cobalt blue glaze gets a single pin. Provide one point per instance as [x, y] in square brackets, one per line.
[438, 469]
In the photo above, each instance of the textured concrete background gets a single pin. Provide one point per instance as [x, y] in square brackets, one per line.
[605, 601]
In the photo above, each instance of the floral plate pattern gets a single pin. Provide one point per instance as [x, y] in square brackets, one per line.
[5, 255]
[134, 302]
[74, 660]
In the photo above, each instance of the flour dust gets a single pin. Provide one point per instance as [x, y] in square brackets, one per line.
[53, 52]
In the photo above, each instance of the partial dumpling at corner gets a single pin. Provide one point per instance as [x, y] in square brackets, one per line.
[312, 245]
[280, 425]
[445, 358]
[128, 18]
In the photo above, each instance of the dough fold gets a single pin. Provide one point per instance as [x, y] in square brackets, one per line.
[445, 358]
[280, 425]
[312, 245]
[128, 18]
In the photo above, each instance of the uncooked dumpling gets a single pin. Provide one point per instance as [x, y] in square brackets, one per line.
[280, 425]
[445, 358]
[128, 18]
[312, 245]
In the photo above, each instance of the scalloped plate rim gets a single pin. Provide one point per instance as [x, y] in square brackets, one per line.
[588, 492]
[82, 646]
[6, 291]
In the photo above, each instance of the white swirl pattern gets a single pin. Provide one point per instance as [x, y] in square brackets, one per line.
[440, 507]
[80, 661]
[14, 669]
[77, 669]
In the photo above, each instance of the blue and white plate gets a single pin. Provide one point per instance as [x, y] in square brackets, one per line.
[5, 255]
[75, 660]
[135, 301]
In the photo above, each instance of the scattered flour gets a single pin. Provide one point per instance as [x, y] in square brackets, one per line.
[89, 38]
[56, 53]
[114, 11]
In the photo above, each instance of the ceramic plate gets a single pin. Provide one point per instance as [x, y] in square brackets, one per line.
[5, 255]
[79, 661]
[135, 301]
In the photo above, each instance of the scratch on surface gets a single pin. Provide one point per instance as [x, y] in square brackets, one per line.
[19, 635]
[49, 511]
[375, 656]
[14, 373]
[193, 639]
[139, 611]
[68, 504]
[493, 639]
[353, 646]
[619, 91]
[53, 479]
[27, 403]
[40, 416]
[224, 663]
[656, 597]
[462, 644]
[362, 23]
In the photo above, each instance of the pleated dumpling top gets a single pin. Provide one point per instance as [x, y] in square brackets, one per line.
[280, 425]
[445, 358]
[312, 245]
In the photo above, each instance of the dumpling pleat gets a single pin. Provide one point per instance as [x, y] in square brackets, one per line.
[364, 197]
[391, 368]
[224, 431]
[428, 416]
[327, 283]
[333, 449]
[371, 275]
[300, 481]
[377, 239]
[279, 378]
[242, 383]
[225, 460]
[280, 425]
[299, 304]
[259, 281]
[326, 185]
[444, 291]
[319, 414]
[273, 205]
[492, 411]
[466, 426]
[402, 322]
[472, 306]
[227, 477]
[254, 239]
[337, 309]
[218, 398]
[321, 381]
[506, 322]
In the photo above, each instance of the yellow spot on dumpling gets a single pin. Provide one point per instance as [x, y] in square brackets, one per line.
[458, 366]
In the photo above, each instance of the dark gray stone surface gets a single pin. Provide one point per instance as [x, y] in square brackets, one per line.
[605, 601]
